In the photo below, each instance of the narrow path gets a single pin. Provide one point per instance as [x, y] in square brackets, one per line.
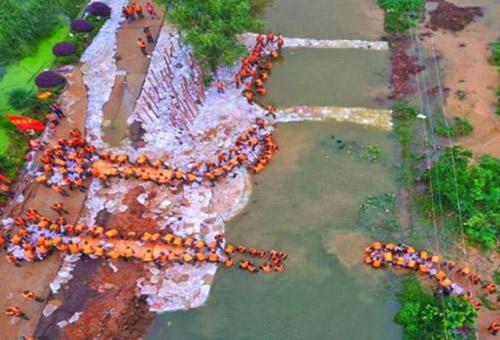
[337, 43]
[381, 119]
[74, 103]
[132, 68]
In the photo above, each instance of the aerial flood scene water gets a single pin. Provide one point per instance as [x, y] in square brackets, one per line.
[250, 170]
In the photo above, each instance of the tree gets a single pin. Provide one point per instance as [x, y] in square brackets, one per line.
[211, 28]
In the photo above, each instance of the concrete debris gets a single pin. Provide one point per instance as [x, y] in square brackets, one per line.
[74, 318]
[8, 222]
[381, 119]
[64, 275]
[113, 267]
[49, 309]
[62, 324]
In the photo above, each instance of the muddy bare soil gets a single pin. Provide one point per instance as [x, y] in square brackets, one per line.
[404, 67]
[107, 298]
[448, 16]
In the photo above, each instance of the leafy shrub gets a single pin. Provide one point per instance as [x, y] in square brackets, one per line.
[24, 23]
[495, 54]
[21, 99]
[99, 9]
[212, 28]
[400, 15]
[63, 49]
[477, 186]
[459, 128]
[424, 316]
[49, 79]
[81, 26]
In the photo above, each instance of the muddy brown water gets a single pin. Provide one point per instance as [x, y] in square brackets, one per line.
[306, 203]
[323, 19]
[324, 77]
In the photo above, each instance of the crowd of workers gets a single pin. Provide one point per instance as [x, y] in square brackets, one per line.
[67, 164]
[256, 66]
[39, 236]
[134, 11]
[73, 160]
[408, 258]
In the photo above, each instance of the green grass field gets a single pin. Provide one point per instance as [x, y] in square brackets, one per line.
[22, 74]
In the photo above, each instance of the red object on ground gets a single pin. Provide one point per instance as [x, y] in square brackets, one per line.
[25, 123]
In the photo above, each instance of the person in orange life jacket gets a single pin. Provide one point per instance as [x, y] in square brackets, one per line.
[220, 86]
[142, 46]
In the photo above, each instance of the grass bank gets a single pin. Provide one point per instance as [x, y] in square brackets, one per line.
[495, 60]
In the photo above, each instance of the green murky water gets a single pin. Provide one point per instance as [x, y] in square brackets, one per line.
[336, 77]
[322, 19]
[305, 203]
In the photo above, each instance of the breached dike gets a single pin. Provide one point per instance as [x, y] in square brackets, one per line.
[336, 43]
[378, 118]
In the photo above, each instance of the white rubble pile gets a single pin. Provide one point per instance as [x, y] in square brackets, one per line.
[99, 71]
[64, 274]
[204, 212]
[378, 118]
[182, 287]
[230, 110]
[249, 39]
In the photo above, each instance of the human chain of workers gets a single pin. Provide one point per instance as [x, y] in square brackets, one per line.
[406, 257]
[39, 236]
[73, 160]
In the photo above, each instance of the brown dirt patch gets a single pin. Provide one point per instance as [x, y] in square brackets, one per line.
[404, 67]
[448, 16]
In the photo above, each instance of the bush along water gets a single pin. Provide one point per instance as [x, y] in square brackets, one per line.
[457, 128]
[472, 188]
[400, 15]
[212, 28]
[424, 316]
[495, 60]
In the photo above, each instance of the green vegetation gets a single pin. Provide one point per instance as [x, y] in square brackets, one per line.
[20, 98]
[370, 152]
[379, 216]
[496, 277]
[212, 27]
[478, 189]
[458, 128]
[495, 60]
[405, 122]
[81, 40]
[400, 15]
[424, 316]
[23, 24]
[17, 89]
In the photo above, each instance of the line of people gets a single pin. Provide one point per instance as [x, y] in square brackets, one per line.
[407, 257]
[67, 165]
[39, 236]
[256, 66]
[74, 160]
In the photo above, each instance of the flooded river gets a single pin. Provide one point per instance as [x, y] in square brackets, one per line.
[306, 202]
[323, 77]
